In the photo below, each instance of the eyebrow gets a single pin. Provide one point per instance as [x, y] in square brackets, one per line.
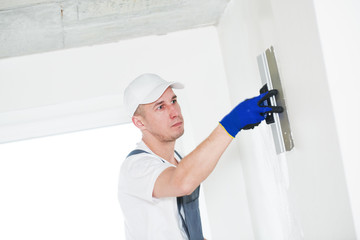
[161, 102]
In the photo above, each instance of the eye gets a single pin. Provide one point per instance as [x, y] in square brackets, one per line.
[159, 107]
[173, 101]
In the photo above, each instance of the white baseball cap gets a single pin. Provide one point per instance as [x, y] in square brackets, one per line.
[147, 88]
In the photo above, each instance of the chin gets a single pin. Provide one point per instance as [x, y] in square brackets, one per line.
[180, 134]
[175, 136]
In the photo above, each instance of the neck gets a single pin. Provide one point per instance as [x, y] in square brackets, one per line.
[164, 149]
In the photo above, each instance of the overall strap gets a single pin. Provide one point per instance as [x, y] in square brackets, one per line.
[178, 154]
[136, 151]
[191, 221]
[179, 201]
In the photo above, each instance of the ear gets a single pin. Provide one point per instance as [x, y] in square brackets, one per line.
[138, 122]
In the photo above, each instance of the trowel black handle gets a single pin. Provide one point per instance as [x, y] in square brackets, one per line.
[269, 117]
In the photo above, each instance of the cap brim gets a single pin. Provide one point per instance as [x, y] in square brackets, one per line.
[158, 91]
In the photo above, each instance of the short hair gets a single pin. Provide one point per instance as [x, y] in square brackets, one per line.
[139, 111]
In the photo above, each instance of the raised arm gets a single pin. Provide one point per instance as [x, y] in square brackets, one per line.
[197, 166]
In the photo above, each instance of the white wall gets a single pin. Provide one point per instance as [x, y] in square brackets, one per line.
[85, 80]
[339, 28]
[303, 193]
[103, 70]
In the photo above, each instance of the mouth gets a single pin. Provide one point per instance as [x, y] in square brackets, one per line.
[177, 124]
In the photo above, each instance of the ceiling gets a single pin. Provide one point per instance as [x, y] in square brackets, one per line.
[33, 26]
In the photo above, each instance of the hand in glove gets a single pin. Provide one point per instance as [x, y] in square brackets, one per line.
[249, 113]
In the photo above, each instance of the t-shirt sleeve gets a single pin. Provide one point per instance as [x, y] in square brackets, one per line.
[139, 174]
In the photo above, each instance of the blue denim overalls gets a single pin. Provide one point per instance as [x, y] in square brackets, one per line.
[190, 204]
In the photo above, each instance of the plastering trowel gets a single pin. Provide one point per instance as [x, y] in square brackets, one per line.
[279, 122]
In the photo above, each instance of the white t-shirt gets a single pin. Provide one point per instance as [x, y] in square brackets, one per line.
[147, 218]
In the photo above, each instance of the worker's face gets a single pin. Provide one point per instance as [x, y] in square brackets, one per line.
[163, 118]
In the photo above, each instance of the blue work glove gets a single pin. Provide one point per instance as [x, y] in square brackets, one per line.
[249, 113]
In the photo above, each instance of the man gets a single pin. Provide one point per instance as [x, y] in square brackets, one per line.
[158, 191]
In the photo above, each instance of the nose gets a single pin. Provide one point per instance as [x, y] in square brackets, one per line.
[174, 111]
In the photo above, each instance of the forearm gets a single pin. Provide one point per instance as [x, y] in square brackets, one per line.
[197, 166]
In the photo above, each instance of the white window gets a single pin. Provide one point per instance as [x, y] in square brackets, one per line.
[64, 186]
